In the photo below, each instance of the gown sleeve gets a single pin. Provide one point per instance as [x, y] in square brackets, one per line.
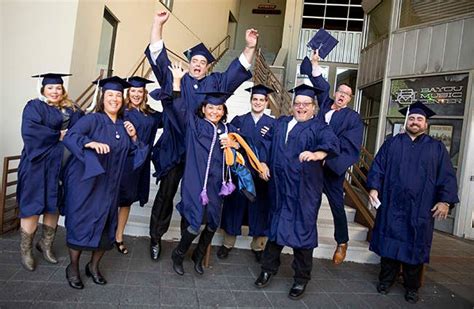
[446, 182]
[377, 171]
[351, 140]
[75, 140]
[159, 67]
[38, 138]
[325, 140]
[233, 77]
[306, 68]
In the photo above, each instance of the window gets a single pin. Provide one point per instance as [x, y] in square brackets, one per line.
[168, 4]
[379, 21]
[414, 12]
[369, 112]
[345, 15]
[444, 94]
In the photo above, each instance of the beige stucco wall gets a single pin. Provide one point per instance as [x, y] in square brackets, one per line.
[35, 38]
[207, 19]
[133, 33]
[64, 36]
[270, 27]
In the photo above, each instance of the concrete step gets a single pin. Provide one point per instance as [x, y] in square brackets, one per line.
[357, 250]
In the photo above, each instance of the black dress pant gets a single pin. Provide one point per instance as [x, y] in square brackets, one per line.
[163, 205]
[334, 190]
[302, 261]
[389, 270]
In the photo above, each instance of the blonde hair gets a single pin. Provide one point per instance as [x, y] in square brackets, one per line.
[144, 107]
[65, 101]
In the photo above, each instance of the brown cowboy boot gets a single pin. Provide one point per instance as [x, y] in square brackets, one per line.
[26, 250]
[339, 254]
[46, 243]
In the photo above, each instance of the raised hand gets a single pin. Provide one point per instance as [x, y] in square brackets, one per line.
[251, 38]
[315, 58]
[100, 148]
[161, 17]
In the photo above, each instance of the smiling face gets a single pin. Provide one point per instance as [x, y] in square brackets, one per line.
[303, 108]
[198, 67]
[54, 93]
[136, 96]
[343, 96]
[416, 124]
[213, 113]
[112, 102]
[258, 102]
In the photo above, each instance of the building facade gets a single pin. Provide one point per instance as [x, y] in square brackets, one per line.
[422, 50]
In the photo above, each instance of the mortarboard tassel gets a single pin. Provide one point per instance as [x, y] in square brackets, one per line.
[38, 89]
[94, 98]
[204, 197]
[406, 120]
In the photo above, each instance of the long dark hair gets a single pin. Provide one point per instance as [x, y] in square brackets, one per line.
[100, 105]
[200, 114]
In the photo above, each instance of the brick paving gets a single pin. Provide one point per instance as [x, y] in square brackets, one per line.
[137, 282]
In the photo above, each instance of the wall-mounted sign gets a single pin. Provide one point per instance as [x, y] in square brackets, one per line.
[266, 9]
[444, 94]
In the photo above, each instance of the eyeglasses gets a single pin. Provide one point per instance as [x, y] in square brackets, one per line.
[345, 93]
[302, 104]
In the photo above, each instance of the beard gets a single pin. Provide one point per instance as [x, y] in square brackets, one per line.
[415, 130]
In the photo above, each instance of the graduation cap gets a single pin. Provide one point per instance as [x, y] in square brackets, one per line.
[324, 42]
[304, 89]
[202, 50]
[215, 97]
[306, 67]
[417, 108]
[112, 83]
[51, 78]
[260, 89]
[138, 82]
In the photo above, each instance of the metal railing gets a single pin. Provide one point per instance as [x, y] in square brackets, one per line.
[280, 100]
[219, 50]
[8, 204]
[347, 51]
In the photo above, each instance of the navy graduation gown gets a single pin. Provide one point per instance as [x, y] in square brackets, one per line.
[91, 180]
[199, 136]
[237, 205]
[41, 157]
[411, 177]
[295, 187]
[135, 184]
[227, 81]
[347, 126]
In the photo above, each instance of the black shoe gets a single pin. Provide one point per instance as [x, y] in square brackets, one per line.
[223, 252]
[155, 250]
[177, 262]
[383, 288]
[258, 255]
[411, 296]
[197, 259]
[263, 280]
[74, 281]
[96, 277]
[297, 290]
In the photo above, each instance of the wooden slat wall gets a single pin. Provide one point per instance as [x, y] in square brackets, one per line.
[439, 48]
[372, 63]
